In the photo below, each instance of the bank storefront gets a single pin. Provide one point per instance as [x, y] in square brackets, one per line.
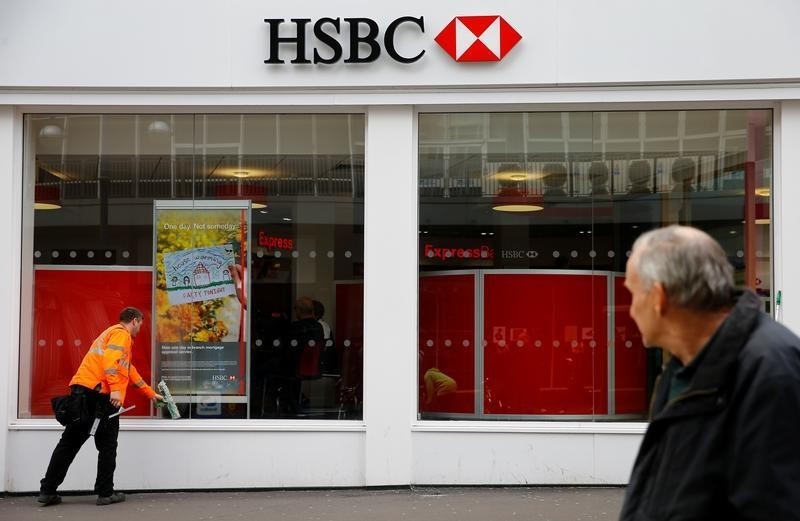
[456, 191]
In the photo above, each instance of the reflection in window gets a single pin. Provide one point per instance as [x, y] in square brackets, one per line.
[277, 197]
[526, 222]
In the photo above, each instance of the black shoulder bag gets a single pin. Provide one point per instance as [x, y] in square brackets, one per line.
[70, 408]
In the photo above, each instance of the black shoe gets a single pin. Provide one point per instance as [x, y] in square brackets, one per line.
[116, 497]
[48, 499]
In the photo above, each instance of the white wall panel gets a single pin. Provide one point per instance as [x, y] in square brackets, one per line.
[171, 460]
[626, 41]
[525, 453]
[509, 459]
[202, 43]
[9, 285]
[614, 455]
[787, 214]
[390, 294]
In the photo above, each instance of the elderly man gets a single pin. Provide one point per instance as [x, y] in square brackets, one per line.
[724, 436]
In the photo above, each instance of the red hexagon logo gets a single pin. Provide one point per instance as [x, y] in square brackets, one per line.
[478, 38]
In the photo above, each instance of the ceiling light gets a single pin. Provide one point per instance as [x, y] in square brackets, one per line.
[47, 198]
[763, 191]
[515, 173]
[158, 127]
[521, 208]
[241, 173]
[258, 206]
[51, 131]
[287, 219]
[45, 206]
[515, 200]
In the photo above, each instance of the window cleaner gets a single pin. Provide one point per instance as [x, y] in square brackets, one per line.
[168, 400]
[97, 418]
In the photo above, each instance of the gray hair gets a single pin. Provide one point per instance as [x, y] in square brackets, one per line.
[692, 267]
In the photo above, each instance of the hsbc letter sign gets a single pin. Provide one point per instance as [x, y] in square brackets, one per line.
[363, 36]
[465, 39]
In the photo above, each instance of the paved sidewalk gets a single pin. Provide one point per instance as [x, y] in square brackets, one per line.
[420, 503]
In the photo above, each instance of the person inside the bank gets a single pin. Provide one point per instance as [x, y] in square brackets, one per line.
[722, 442]
[329, 358]
[306, 339]
[100, 385]
[437, 385]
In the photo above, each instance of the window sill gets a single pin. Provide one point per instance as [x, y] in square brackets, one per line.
[208, 425]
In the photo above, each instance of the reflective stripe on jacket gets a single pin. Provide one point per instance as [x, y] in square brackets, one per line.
[108, 363]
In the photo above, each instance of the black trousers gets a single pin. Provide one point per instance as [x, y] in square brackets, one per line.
[73, 438]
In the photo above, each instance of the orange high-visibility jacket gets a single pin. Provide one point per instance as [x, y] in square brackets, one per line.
[108, 363]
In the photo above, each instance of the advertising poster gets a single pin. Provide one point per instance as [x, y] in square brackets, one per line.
[200, 314]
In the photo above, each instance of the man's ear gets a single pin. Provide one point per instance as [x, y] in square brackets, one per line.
[661, 303]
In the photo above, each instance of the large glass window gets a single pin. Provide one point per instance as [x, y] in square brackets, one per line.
[240, 237]
[526, 221]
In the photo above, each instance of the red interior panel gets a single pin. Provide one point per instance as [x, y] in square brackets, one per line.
[546, 344]
[349, 337]
[630, 356]
[72, 307]
[446, 343]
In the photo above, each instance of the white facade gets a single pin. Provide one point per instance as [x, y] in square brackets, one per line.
[206, 57]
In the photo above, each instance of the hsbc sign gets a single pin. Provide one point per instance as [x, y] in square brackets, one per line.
[362, 40]
[478, 38]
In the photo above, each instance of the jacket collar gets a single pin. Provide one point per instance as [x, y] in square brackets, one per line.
[723, 348]
[715, 364]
